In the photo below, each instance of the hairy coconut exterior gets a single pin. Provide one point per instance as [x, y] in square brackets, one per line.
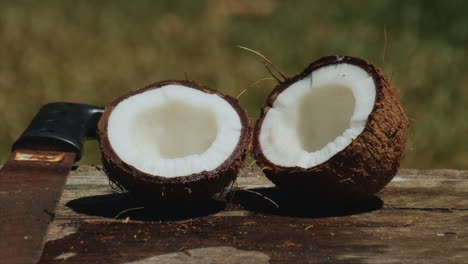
[201, 185]
[366, 165]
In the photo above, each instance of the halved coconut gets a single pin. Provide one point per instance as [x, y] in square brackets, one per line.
[173, 140]
[336, 130]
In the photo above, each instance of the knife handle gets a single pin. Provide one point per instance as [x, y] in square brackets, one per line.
[61, 126]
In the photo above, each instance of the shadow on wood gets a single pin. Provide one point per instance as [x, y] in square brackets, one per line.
[120, 206]
[273, 201]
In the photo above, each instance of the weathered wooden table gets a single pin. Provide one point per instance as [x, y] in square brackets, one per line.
[420, 217]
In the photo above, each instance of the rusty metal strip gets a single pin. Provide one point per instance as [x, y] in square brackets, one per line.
[48, 157]
[31, 183]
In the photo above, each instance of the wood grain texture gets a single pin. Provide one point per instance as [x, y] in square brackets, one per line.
[420, 217]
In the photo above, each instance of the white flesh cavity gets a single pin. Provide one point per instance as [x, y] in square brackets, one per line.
[318, 116]
[174, 131]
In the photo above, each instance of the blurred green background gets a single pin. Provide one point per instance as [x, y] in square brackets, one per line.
[93, 51]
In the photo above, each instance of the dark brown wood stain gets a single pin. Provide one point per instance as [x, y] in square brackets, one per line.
[405, 223]
[284, 239]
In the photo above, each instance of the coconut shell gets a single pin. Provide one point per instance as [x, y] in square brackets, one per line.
[201, 185]
[366, 165]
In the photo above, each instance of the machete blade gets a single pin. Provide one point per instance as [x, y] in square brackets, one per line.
[31, 184]
[32, 180]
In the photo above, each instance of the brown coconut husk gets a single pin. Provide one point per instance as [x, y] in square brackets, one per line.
[363, 167]
[201, 185]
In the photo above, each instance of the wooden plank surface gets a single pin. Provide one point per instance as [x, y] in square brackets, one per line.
[420, 217]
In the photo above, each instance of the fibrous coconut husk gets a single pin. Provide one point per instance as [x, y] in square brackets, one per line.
[201, 185]
[363, 167]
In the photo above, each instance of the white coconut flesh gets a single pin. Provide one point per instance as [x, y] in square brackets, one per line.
[174, 131]
[318, 116]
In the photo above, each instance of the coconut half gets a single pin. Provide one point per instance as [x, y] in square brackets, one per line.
[336, 130]
[173, 140]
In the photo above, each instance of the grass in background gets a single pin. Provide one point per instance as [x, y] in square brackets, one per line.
[91, 52]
